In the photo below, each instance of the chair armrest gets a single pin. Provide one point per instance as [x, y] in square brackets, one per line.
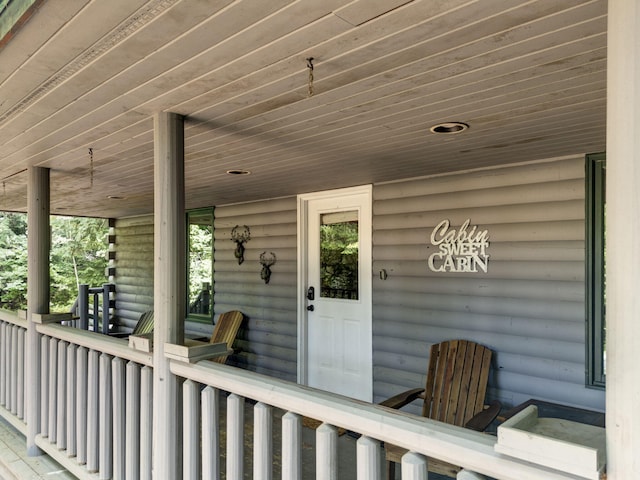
[402, 399]
[481, 420]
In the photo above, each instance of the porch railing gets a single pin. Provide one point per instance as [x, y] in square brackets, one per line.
[96, 417]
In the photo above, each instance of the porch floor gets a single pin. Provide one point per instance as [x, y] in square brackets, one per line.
[15, 464]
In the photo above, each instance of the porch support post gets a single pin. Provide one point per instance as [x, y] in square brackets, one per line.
[623, 247]
[169, 288]
[38, 247]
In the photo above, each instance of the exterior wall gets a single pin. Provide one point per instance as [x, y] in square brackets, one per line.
[530, 305]
[267, 340]
[134, 269]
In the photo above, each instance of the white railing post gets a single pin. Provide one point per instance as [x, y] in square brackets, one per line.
[235, 437]
[210, 434]
[146, 422]
[61, 394]
[326, 452]
[132, 435]
[52, 394]
[93, 406]
[105, 470]
[118, 381]
[291, 446]
[190, 430]
[72, 408]
[467, 475]
[414, 466]
[262, 442]
[368, 452]
[82, 377]
[20, 373]
[44, 386]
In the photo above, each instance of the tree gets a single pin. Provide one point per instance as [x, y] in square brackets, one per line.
[13, 261]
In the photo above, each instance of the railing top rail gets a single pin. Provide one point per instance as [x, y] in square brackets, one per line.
[12, 317]
[96, 341]
[471, 450]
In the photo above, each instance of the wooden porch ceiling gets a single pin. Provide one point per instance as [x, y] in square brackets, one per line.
[529, 77]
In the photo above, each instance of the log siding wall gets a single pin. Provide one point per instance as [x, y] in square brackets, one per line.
[529, 307]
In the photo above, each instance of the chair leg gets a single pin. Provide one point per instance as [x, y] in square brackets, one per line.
[391, 470]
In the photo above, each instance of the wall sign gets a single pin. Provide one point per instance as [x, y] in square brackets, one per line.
[463, 250]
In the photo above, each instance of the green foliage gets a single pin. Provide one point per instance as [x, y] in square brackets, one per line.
[78, 255]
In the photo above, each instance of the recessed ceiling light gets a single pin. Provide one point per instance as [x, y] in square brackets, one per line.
[449, 127]
[238, 172]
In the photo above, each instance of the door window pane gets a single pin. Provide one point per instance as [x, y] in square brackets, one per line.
[339, 255]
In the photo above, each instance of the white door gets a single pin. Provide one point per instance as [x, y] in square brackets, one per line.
[335, 351]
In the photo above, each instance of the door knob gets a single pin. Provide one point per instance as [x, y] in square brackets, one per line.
[310, 308]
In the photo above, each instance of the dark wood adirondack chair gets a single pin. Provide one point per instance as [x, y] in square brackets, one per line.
[456, 385]
[225, 330]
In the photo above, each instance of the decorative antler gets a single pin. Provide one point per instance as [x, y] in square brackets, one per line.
[240, 235]
[267, 261]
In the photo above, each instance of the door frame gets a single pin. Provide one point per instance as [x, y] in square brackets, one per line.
[303, 202]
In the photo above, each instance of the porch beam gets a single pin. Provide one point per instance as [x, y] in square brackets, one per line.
[623, 248]
[38, 248]
[169, 287]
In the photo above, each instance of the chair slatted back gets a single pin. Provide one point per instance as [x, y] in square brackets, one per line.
[225, 330]
[457, 379]
[145, 324]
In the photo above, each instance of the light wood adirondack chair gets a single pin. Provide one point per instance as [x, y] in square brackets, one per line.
[145, 324]
[456, 385]
[225, 330]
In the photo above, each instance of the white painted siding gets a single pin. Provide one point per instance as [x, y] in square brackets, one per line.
[267, 341]
[530, 305]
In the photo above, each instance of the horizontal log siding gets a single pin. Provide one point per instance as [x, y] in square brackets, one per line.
[530, 305]
[267, 340]
[134, 269]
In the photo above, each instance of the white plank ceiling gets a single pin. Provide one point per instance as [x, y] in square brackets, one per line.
[528, 77]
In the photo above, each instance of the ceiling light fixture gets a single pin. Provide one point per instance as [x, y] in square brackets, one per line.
[238, 172]
[449, 128]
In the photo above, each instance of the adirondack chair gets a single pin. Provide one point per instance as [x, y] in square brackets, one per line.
[456, 384]
[225, 330]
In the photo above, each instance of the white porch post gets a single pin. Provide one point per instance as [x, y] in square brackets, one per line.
[623, 239]
[38, 246]
[169, 288]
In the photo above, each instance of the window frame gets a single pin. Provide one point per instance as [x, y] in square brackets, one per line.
[199, 317]
[595, 269]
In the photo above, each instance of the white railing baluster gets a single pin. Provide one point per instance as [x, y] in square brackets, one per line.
[146, 422]
[20, 373]
[326, 452]
[14, 370]
[44, 386]
[291, 446]
[119, 400]
[368, 458]
[72, 381]
[190, 430]
[53, 383]
[61, 392]
[105, 470]
[93, 405]
[262, 442]
[82, 359]
[210, 434]
[3, 363]
[132, 435]
[235, 437]
[414, 466]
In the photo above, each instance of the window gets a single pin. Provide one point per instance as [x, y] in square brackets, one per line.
[200, 264]
[596, 278]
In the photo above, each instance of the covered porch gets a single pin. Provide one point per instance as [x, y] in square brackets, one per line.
[140, 112]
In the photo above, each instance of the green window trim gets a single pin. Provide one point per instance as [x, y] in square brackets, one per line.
[595, 274]
[200, 252]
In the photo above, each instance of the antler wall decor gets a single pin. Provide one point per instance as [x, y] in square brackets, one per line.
[240, 235]
[267, 260]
